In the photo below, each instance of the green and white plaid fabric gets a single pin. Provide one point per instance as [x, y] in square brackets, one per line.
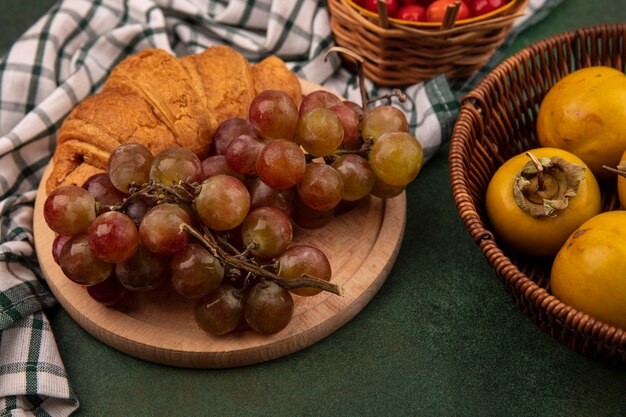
[65, 57]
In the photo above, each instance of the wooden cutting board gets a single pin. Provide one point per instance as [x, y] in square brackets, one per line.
[158, 326]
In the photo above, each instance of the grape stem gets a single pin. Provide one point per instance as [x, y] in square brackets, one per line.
[394, 93]
[210, 242]
[358, 59]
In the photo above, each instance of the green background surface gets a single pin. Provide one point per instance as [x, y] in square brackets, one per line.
[442, 337]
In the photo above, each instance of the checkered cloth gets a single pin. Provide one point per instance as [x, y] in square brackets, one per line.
[65, 57]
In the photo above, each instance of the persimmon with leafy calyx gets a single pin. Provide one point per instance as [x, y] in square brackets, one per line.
[584, 113]
[589, 272]
[536, 199]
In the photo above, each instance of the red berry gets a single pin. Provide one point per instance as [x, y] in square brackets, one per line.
[412, 12]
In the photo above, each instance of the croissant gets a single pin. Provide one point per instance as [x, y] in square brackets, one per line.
[161, 101]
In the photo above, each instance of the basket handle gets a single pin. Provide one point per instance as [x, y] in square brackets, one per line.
[382, 13]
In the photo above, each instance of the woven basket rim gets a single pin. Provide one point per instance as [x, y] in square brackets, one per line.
[436, 25]
[473, 105]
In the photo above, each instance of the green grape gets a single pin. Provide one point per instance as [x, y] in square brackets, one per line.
[357, 176]
[176, 164]
[267, 231]
[381, 120]
[129, 164]
[321, 187]
[304, 259]
[396, 158]
[221, 311]
[268, 308]
[223, 202]
[160, 232]
[69, 210]
[195, 272]
[281, 164]
[80, 265]
[319, 132]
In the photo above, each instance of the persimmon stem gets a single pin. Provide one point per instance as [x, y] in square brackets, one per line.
[614, 171]
[540, 180]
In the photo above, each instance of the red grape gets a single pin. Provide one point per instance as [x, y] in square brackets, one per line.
[79, 263]
[274, 115]
[160, 232]
[281, 164]
[357, 176]
[242, 152]
[268, 307]
[228, 130]
[144, 271]
[321, 187]
[69, 209]
[316, 99]
[176, 164]
[217, 165]
[129, 164]
[195, 272]
[103, 190]
[223, 202]
[220, 312]
[267, 232]
[304, 259]
[113, 237]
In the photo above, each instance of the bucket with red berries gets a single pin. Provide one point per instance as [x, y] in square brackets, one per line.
[407, 41]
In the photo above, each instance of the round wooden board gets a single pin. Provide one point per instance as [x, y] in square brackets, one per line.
[158, 326]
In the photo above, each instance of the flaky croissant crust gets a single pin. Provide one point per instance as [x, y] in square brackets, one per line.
[161, 101]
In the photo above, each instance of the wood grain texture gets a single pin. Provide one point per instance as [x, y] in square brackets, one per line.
[158, 326]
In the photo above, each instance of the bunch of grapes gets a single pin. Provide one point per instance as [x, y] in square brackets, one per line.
[220, 230]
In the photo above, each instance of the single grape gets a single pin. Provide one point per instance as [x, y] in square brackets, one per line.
[304, 259]
[160, 232]
[129, 164]
[396, 158]
[321, 187]
[357, 176]
[345, 206]
[228, 130]
[144, 271]
[80, 265]
[274, 115]
[242, 152]
[381, 120]
[195, 272]
[103, 190]
[138, 207]
[69, 209]
[358, 110]
[113, 237]
[350, 123]
[281, 164]
[267, 232]
[262, 195]
[176, 164]
[220, 311]
[217, 165]
[305, 216]
[268, 308]
[57, 246]
[385, 191]
[317, 99]
[319, 132]
[109, 292]
[223, 202]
